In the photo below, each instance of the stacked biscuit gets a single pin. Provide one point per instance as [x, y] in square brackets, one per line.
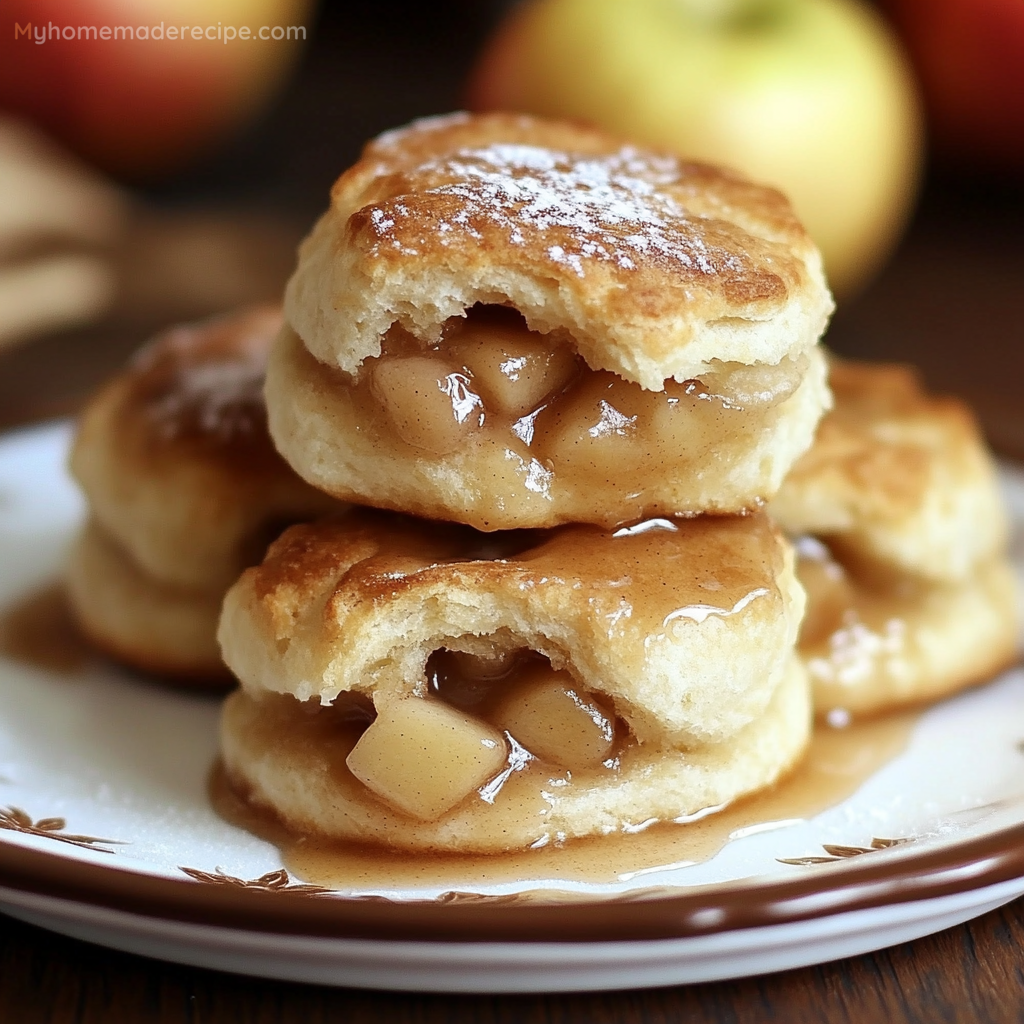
[185, 490]
[537, 359]
[902, 542]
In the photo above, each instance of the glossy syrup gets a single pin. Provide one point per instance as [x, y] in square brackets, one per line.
[838, 761]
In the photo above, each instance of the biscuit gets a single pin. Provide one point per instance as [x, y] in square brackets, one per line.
[175, 460]
[515, 323]
[291, 760]
[901, 536]
[157, 628]
[877, 638]
[684, 628]
[896, 476]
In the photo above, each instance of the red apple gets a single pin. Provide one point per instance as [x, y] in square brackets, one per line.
[142, 107]
[969, 55]
[812, 96]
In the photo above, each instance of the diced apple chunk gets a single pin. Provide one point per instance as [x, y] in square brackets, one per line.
[599, 423]
[430, 407]
[549, 715]
[515, 369]
[423, 757]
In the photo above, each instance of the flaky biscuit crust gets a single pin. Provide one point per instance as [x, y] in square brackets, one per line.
[898, 476]
[655, 266]
[686, 628]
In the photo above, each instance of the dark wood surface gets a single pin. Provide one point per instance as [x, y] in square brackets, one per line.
[952, 301]
[971, 973]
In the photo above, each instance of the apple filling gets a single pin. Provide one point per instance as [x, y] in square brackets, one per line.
[424, 754]
[526, 406]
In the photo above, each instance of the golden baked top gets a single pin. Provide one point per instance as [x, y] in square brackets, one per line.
[898, 475]
[654, 266]
[199, 388]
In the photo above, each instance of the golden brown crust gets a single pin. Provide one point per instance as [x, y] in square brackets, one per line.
[686, 627]
[896, 475]
[197, 391]
[175, 459]
[654, 266]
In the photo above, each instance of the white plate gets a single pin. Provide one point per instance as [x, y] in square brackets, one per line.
[124, 764]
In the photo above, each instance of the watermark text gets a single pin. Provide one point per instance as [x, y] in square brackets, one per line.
[40, 34]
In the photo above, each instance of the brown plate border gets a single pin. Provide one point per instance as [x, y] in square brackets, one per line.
[885, 878]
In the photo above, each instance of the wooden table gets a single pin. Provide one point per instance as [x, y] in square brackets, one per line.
[971, 973]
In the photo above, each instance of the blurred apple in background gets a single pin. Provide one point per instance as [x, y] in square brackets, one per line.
[969, 55]
[143, 108]
[813, 96]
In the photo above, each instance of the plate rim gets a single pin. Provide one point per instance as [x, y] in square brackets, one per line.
[819, 891]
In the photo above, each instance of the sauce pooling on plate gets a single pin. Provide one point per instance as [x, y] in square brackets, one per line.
[837, 763]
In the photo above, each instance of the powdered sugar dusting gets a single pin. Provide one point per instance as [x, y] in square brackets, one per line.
[221, 400]
[193, 382]
[421, 126]
[583, 209]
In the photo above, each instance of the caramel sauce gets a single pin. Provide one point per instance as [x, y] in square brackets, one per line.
[637, 585]
[39, 631]
[837, 762]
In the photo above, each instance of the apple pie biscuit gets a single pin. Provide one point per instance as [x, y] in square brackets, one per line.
[901, 535]
[650, 668]
[174, 457]
[185, 490]
[515, 323]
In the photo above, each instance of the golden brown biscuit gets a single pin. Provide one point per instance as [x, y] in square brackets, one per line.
[901, 533]
[876, 638]
[515, 323]
[683, 628]
[174, 457]
[291, 760]
[157, 628]
[657, 268]
[897, 476]
[185, 490]
[426, 686]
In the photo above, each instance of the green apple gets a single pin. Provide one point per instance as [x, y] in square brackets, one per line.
[812, 96]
